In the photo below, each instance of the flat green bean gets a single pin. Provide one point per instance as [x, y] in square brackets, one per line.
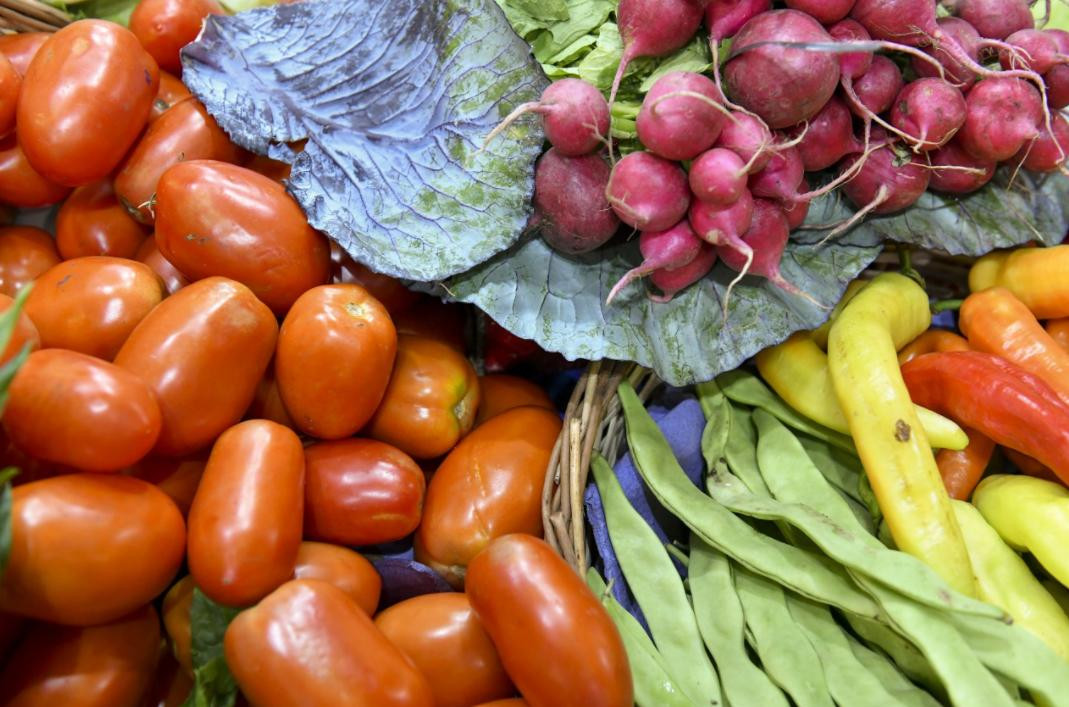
[841, 468]
[652, 685]
[720, 619]
[903, 691]
[904, 654]
[658, 589]
[718, 419]
[786, 654]
[740, 450]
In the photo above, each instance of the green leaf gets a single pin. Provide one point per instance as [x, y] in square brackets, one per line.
[213, 685]
[6, 475]
[546, 10]
[584, 17]
[112, 10]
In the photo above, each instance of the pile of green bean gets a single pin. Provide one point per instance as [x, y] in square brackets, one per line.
[790, 595]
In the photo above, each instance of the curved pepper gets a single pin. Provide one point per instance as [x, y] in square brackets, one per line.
[1030, 514]
[997, 322]
[1006, 581]
[1059, 331]
[1035, 275]
[1027, 465]
[862, 357]
[1002, 400]
[820, 334]
[932, 341]
[798, 371]
[961, 469]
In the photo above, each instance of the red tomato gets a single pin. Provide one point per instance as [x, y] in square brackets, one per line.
[186, 132]
[151, 256]
[177, 604]
[361, 492]
[178, 478]
[93, 222]
[442, 636]
[24, 333]
[20, 49]
[86, 98]
[103, 666]
[89, 548]
[465, 511]
[395, 297]
[335, 352]
[10, 83]
[308, 643]
[499, 392]
[171, 92]
[20, 184]
[202, 351]
[432, 318]
[431, 399]
[508, 702]
[92, 304]
[245, 523]
[267, 405]
[345, 569]
[272, 169]
[534, 605]
[214, 218]
[170, 685]
[25, 253]
[165, 26]
[70, 408]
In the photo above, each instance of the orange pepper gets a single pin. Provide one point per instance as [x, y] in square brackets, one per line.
[1059, 331]
[996, 322]
[932, 341]
[1028, 465]
[1035, 275]
[961, 470]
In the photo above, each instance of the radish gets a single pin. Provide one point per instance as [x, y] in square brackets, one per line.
[571, 211]
[574, 113]
[851, 64]
[662, 250]
[671, 281]
[723, 19]
[1039, 51]
[955, 171]
[681, 116]
[1047, 153]
[875, 90]
[781, 176]
[654, 28]
[718, 177]
[648, 192]
[928, 112]
[970, 42]
[887, 182]
[829, 138]
[824, 11]
[723, 227]
[749, 138]
[995, 19]
[1057, 79]
[782, 85]
[797, 210]
[1003, 114]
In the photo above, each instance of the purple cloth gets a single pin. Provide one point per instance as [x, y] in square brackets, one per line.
[405, 578]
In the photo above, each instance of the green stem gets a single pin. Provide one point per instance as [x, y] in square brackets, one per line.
[946, 305]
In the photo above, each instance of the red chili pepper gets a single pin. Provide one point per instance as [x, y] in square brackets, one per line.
[1029, 466]
[1003, 401]
[961, 470]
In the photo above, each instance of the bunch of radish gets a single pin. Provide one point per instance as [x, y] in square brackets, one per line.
[882, 94]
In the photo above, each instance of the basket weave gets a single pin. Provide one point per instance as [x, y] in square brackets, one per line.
[30, 16]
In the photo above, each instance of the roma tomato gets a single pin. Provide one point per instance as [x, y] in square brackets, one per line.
[178, 478]
[335, 352]
[499, 392]
[10, 83]
[169, 275]
[267, 405]
[465, 511]
[25, 253]
[534, 605]
[73, 409]
[442, 636]
[177, 604]
[431, 399]
[346, 569]
[395, 297]
[186, 132]
[170, 687]
[214, 218]
[88, 548]
[272, 169]
[24, 333]
[432, 318]
[165, 26]
[507, 702]
[102, 666]
[86, 98]
[361, 492]
[308, 643]
[202, 351]
[245, 523]
[21, 48]
[171, 92]
[20, 184]
[93, 222]
[91, 304]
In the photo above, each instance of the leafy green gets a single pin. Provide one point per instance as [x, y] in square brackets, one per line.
[6, 475]
[113, 10]
[213, 685]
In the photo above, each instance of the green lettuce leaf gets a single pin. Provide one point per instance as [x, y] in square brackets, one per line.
[213, 685]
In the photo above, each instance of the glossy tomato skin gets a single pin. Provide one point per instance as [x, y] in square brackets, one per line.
[169, 275]
[24, 333]
[10, 84]
[89, 548]
[393, 295]
[214, 218]
[85, 100]
[346, 569]
[165, 26]
[102, 666]
[308, 643]
[93, 222]
[268, 405]
[171, 92]
[185, 132]
[499, 392]
[335, 352]
[245, 523]
[442, 636]
[534, 605]
[25, 254]
[361, 492]
[176, 477]
[20, 184]
[21, 48]
[91, 304]
[431, 399]
[464, 511]
[272, 169]
[432, 318]
[202, 351]
[507, 702]
[73, 409]
[177, 604]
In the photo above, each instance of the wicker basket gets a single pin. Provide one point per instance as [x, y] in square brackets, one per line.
[30, 16]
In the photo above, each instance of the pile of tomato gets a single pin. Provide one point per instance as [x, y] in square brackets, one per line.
[219, 403]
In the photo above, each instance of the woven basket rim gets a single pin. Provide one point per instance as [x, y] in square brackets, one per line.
[18, 16]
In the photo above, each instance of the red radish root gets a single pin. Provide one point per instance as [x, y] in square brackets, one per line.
[681, 116]
[648, 192]
[929, 112]
[571, 211]
[1003, 114]
[574, 113]
[671, 281]
[653, 28]
[718, 177]
[955, 171]
[661, 250]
